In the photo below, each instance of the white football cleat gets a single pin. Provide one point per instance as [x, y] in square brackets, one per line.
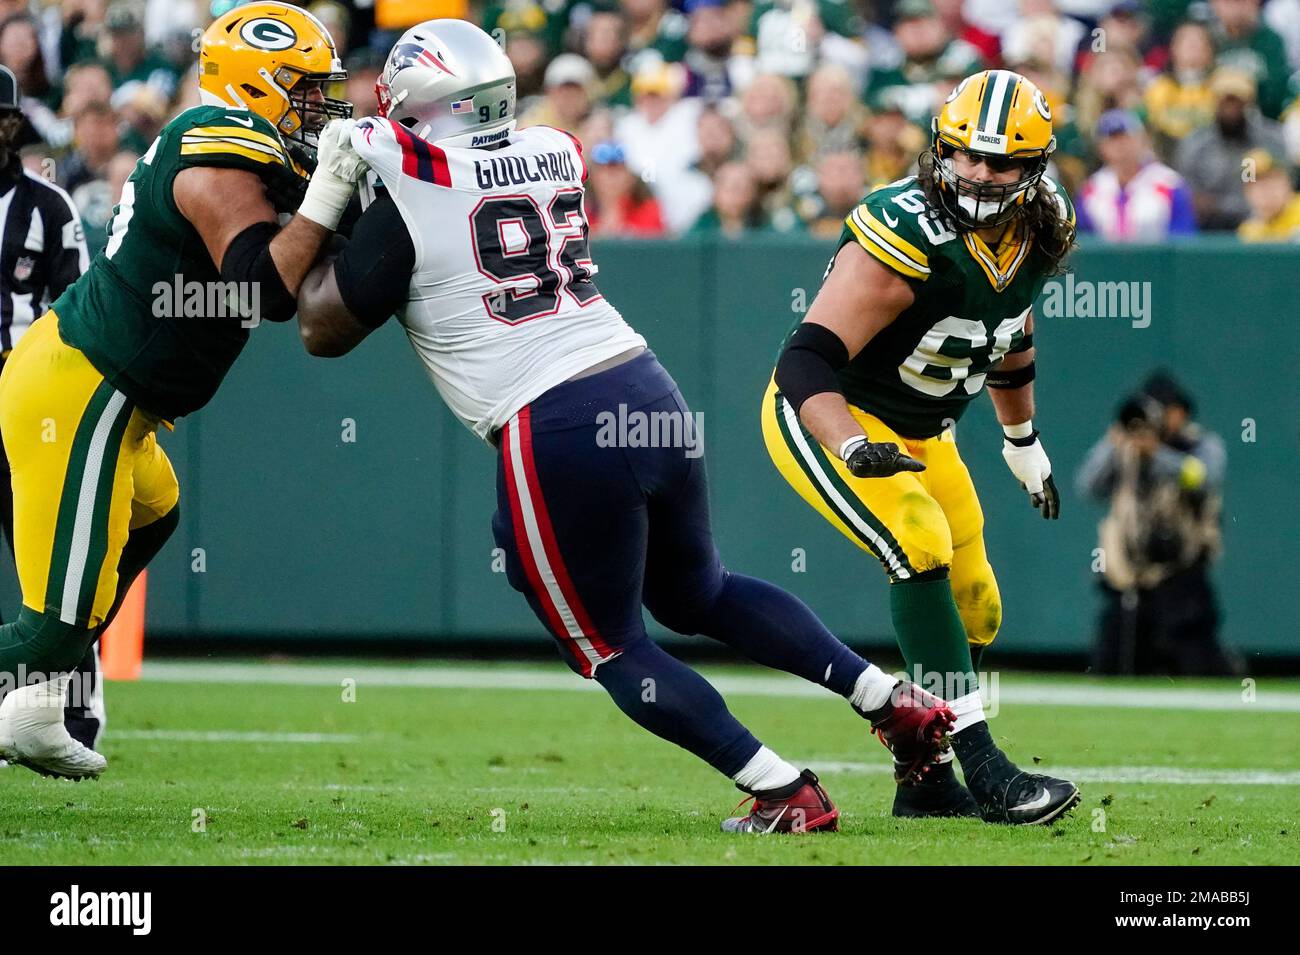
[32, 734]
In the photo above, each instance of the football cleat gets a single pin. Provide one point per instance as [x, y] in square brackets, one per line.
[1028, 799]
[803, 806]
[914, 725]
[940, 795]
[32, 734]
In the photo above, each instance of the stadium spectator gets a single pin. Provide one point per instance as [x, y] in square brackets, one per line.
[768, 157]
[1161, 475]
[128, 59]
[655, 27]
[1283, 18]
[364, 66]
[20, 51]
[541, 23]
[1245, 43]
[833, 119]
[659, 133]
[711, 71]
[792, 39]
[95, 140]
[1178, 101]
[567, 100]
[1111, 80]
[953, 15]
[96, 198]
[930, 56]
[1210, 158]
[691, 192]
[894, 144]
[768, 102]
[1043, 33]
[143, 114]
[604, 44]
[1274, 205]
[840, 187]
[618, 202]
[527, 52]
[1133, 197]
[735, 210]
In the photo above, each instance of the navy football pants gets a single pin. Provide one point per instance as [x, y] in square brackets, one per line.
[594, 529]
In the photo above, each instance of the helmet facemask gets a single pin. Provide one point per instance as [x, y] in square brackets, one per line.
[306, 117]
[976, 204]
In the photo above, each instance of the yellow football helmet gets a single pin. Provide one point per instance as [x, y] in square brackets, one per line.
[271, 58]
[1004, 119]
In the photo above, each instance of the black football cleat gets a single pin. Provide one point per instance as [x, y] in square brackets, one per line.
[939, 795]
[803, 806]
[1028, 799]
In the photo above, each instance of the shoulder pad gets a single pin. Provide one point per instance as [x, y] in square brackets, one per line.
[219, 136]
[888, 225]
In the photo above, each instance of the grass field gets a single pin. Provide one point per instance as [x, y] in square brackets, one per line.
[266, 763]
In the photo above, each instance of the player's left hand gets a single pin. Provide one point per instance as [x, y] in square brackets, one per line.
[335, 154]
[1028, 462]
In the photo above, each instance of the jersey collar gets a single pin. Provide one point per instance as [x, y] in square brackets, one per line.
[1001, 266]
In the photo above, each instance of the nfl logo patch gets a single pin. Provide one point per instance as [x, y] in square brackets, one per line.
[462, 106]
[23, 268]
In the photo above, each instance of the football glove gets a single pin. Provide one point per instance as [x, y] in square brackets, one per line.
[869, 459]
[338, 167]
[1028, 462]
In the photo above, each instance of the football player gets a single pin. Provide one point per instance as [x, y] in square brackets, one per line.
[480, 243]
[928, 299]
[85, 390]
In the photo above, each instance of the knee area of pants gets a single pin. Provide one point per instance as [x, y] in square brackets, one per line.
[980, 606]
[924, 532]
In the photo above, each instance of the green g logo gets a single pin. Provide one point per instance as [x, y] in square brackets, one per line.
[267, 34]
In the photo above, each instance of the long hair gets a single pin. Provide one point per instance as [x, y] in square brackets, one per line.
[1052, 233]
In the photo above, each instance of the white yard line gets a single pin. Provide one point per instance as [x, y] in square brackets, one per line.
[230, 736]
[1014, 690]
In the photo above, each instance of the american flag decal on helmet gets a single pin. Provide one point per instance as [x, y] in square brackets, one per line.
[462, 106]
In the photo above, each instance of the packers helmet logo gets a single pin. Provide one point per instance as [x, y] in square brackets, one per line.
[957, 90]
[1040, 104]
[265, 33]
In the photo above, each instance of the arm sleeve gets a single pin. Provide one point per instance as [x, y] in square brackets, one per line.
[1096, 477]
[374, 269]
[65, 243]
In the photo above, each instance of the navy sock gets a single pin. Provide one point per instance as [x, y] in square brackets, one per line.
[668, 698]
[775, 628]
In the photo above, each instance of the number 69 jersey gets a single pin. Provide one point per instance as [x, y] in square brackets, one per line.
[921, 371]
[502, 304]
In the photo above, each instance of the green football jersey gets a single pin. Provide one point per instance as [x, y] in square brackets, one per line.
[143, 313]
[920, 372]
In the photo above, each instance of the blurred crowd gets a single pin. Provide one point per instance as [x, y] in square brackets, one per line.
[735, 117]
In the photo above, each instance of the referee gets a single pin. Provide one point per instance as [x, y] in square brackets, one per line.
[42, 252]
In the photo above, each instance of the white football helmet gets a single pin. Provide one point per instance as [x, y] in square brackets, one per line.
[449, 83]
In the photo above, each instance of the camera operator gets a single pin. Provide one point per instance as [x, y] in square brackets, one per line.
[1161, 474]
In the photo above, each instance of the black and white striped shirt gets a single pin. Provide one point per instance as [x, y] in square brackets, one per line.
[42, 248]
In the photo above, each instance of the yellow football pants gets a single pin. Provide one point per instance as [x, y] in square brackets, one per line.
[911, 522]
[87, 470]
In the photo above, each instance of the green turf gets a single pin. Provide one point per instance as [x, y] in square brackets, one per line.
[433, 774]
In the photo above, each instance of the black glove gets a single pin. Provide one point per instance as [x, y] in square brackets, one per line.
[869, 459]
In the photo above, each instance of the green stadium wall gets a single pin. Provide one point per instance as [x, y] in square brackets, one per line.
[306, 537]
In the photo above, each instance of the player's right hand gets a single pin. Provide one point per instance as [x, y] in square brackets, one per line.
[868, 459]
[334, 152]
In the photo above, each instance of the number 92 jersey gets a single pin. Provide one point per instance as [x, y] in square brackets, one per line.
[920, 372]
[502, 305]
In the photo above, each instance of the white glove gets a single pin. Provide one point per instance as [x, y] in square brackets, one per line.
[338, 167]
[1027, 460]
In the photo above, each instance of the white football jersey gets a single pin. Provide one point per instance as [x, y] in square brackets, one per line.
[502, 306]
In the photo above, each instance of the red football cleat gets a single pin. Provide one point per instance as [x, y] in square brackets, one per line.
[915, 727]
[803, 806]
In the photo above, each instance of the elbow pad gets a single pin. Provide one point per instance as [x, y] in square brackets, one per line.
[809, 364]
[248, 263]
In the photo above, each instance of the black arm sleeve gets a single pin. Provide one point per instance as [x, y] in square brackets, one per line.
[374, 269]
[809, 363]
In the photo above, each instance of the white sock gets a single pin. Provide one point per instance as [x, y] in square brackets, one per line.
[765, 770]
[47, 697]
[968, 709]
[872, 689]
